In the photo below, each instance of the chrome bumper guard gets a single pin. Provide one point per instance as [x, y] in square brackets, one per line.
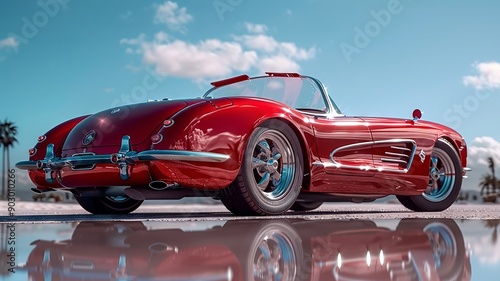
[123, 159]
[465, 170]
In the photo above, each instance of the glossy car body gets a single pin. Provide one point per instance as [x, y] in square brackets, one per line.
[300, 140]
[418, 249]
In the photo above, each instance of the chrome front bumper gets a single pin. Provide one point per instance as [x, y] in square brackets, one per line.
[123, 159]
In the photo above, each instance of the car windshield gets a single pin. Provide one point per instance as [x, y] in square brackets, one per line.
[303, 93]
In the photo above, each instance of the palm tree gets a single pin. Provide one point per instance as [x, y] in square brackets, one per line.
[491, 166]
[3, 159]
[8, 133]
[494, 225]
[485, 183]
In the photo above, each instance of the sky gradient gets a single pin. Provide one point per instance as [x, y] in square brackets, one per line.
[65, 58]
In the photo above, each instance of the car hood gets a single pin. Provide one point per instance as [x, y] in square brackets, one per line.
[397, 121]
[139, 121]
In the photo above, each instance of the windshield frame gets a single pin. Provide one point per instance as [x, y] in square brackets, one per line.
[331, 107]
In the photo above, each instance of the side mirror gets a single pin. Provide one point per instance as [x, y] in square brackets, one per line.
[417, 114]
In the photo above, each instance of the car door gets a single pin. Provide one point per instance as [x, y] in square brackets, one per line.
[344, 145]
[395, 144]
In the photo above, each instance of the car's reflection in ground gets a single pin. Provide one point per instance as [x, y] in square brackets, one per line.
[417, 249]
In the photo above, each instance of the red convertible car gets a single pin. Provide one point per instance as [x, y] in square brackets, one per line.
[261, 145]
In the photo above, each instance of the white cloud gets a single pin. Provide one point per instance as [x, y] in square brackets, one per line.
[134, 41]
[268, 44]
[215, 58]
[486, 251]
[126, 15]
[489, 76]
[255, 28]
[162, 37]
[209, 58]
[481, 148]
[9, 43]
[260, 42]
[278, 63]
[289, 12]
[23, 178]
[174, 16]
[478, 151]
[109, 90]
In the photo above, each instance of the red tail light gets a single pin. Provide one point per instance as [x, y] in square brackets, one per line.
[168, 123]
[156, 138]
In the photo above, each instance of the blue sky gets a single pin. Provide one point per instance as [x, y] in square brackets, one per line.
[65, 58]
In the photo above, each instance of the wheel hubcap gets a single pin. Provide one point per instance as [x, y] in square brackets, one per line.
[274, 259]
[441, 176]
[273, 165]
[444, 246]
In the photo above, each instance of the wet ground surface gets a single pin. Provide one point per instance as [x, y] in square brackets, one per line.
[200, 242]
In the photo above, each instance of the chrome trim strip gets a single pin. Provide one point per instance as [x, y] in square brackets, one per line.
[26, 165]
[400, 148]
[179, 155]
[467, 169]
[147, 155]
[379, 168]
[397, 154]
[390, 160]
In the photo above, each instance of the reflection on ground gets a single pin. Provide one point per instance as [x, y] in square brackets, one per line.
[414, 249]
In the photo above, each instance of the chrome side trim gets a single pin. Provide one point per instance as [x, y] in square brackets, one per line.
[397, 154]
[397, 161]
[383, 159]
[179, 155]
[123, 158]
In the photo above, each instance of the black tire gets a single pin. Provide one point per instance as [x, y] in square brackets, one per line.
[447, 244]
[270, 177]
[108, 205]
[447, 185]
[301, 206]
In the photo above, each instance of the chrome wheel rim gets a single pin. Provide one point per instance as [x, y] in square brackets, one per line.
[444, 246]
[273, 165]
[274, 258]
[441, 176]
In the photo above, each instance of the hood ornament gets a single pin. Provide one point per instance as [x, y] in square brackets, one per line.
[89, 138]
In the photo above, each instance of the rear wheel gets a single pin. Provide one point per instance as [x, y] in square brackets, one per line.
[271, 173]
[445, 181]
[108, 204]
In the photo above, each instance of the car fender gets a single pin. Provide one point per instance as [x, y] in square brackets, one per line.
[226, 129]
[55, 136]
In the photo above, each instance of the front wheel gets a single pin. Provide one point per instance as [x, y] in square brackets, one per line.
[445, 181]
[108, 204]
[271, 172]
